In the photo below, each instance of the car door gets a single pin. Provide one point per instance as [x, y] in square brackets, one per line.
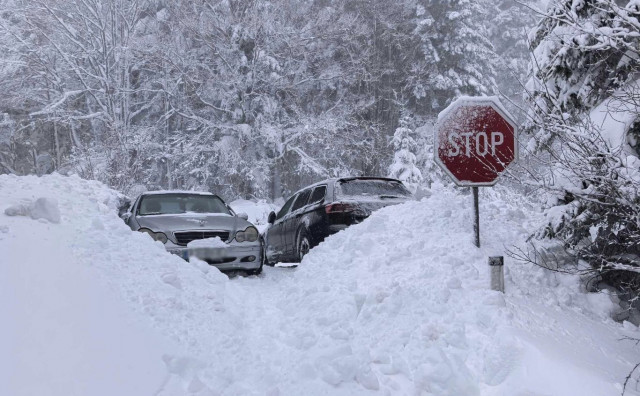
[292, 221]
[315, 216]
[275, 243]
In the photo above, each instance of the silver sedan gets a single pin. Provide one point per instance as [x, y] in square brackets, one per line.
[198, 224]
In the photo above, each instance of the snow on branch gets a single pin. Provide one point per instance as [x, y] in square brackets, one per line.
[54, 106]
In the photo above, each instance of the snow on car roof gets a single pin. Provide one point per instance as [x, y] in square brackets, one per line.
[344, 179]
[160, 192]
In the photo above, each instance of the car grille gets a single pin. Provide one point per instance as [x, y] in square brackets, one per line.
[185, 237]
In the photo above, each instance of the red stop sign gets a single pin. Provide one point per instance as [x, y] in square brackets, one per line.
[475, 141]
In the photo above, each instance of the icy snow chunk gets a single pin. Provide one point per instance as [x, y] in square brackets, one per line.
[45, 208]
[215, 242]
[199, 264]
[368, 379]
[17, 210]
[42, 208]
[172, 279]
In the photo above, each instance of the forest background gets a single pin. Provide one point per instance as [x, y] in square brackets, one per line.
[246, 98]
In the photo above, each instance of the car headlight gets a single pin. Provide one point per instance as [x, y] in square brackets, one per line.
[240, 236]
[250, 234]
[157, 236]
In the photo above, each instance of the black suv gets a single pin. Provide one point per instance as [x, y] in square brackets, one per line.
[325, 208]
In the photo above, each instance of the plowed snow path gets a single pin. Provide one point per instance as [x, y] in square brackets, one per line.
[396, 305]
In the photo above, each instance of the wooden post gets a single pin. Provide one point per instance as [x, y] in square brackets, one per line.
[476, 213]
[496, 264]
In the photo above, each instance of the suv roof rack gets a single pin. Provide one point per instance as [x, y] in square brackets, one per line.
[344, 179]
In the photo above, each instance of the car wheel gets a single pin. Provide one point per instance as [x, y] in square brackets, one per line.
[265, 258]
[303, 245]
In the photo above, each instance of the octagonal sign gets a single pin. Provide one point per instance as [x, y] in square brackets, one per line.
[476, 140]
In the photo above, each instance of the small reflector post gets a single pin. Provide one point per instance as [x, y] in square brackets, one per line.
[496, 261]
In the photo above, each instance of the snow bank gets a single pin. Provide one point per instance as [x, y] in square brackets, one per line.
[78, 299]
[401, 303]
[398, 304]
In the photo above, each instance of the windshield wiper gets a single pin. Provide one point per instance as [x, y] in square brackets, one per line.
[390, 196]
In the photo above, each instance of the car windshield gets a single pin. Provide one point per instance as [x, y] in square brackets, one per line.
[373, 188]
[181, 203]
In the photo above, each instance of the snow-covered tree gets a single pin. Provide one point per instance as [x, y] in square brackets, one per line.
[457, 57]
[511, 21]
[585, 101]
[404, 166]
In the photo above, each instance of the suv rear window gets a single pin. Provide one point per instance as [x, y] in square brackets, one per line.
[373, 188]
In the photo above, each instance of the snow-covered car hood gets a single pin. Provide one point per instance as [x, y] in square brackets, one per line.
[191, 221]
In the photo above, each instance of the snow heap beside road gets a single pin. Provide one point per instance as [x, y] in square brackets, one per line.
[397, 305]
[404, 303]
[79, 300]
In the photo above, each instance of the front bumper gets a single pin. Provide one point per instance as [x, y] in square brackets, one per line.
[234, 256]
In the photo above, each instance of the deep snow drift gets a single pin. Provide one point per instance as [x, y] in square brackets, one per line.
[396, 305]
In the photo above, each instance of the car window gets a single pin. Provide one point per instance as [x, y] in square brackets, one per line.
[303, 197]
[285, 208]
[373, 188]
[181, 203]
[134, 205]
[318, 194]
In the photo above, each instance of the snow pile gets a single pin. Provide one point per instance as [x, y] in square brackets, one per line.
[406, 304]
[398, 304]
[215, 242]
[79, 299]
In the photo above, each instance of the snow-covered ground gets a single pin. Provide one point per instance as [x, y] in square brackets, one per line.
[398, 305]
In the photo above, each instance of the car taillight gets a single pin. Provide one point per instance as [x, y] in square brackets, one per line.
[339, 208]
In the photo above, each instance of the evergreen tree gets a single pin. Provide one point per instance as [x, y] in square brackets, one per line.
[584, 119]
[404, 166]
[456, 56]
[582, 51]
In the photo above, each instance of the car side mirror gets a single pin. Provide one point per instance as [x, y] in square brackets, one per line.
[125, 216]
[243, 216]
[272, 217]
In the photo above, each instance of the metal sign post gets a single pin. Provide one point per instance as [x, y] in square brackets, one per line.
[476, 140]
[476, 216]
